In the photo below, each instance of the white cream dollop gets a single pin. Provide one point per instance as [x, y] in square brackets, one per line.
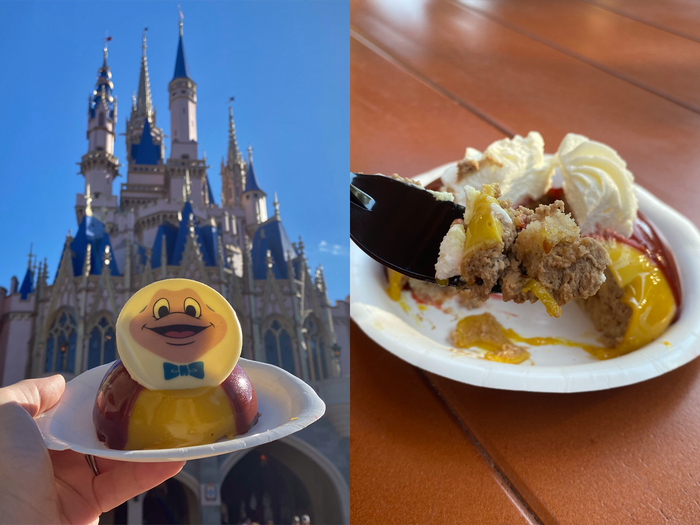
[597, 184]
[518, 165]
[451, 248]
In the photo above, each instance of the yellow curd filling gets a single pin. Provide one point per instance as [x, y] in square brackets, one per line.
[180, 418]
[394, 289]
[553, 309]
[483, 229]
[646, 291]
[485, 332]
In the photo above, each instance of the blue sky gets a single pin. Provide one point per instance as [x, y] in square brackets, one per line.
[286, 63]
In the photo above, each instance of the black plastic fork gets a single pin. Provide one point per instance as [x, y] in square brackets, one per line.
[400, 225]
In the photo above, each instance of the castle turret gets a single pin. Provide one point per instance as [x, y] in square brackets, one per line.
[99, 166]
[254, 198]
[145, 178]
[142, 108]
[233, 170]
[183, 108]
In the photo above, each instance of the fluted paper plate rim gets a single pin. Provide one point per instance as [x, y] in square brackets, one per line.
[286, 404]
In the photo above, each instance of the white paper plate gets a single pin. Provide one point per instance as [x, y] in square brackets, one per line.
[285, 402]
[420, 335]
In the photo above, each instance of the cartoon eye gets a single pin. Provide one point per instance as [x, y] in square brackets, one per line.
[192, 308]
[161, 308]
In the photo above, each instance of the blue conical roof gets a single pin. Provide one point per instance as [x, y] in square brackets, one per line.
[181, 69]
[146, 152]
[27, 284]
[103, 92]
[207, 238]
[91, 231]
[272, 236]
[251, 181]
[209, 192]
[169, 231]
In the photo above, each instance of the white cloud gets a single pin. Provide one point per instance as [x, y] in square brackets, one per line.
[333, 249]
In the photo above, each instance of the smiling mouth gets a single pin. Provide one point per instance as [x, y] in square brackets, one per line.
[178, 331]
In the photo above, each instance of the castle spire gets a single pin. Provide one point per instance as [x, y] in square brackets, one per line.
[104, 61]
[143, 99]
[181, 69]
[276, 203]
[234, 154]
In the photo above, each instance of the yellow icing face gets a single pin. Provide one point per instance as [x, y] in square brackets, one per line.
[177, 334]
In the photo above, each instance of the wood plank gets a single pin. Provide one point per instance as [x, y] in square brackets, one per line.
[681, 17]
[529, 86]
[399, 124]
[627, 455]
[411, 460]
[661, 62]
[401, 471]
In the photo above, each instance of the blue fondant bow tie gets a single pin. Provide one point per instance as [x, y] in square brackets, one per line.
[171, 370]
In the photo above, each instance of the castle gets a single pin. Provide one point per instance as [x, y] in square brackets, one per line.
[166, 223]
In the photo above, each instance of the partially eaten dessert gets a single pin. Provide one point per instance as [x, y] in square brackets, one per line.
[582, 240]
[529, 254]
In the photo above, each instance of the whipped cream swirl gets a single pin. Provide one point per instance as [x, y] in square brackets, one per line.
[598, 186]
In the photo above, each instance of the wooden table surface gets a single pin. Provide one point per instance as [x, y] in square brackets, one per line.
[429, 78]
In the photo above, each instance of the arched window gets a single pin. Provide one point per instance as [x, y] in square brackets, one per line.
[102, 344]
[278, 347]
[316, 348]
[60, 345]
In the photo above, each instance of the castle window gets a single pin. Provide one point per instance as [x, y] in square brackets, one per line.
[278, 347]
[102, 345]
[60, 345]
[317, 351]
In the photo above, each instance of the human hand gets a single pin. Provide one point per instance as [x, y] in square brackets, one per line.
[48, 486]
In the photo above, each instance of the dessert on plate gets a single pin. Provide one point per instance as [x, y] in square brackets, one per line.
[177, 382]
[554, 228]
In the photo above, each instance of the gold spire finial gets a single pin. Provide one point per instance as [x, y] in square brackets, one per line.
[250, 153]
[88, 202]
[107, 39]
[182, 17]
[144, 104]
[233, 152]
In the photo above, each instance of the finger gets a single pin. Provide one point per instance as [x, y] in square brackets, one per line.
[36, 396]
[126, 480]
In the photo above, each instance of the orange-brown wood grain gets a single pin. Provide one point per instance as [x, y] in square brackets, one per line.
[411, 461]
[527, 85]
[679, 16]
[627, 455]
[662, 62]
[398, 124]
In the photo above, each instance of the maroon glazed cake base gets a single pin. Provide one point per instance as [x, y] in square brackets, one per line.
[118, 393]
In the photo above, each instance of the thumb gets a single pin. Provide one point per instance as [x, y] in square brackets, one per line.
[36, 396]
